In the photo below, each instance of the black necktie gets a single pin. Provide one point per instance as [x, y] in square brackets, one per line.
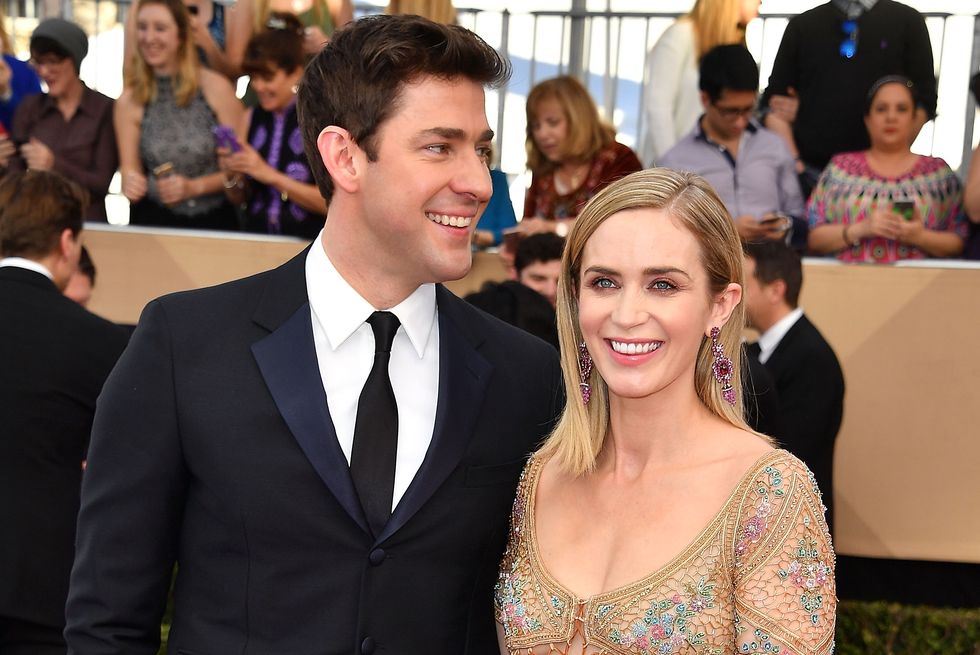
[372, 460]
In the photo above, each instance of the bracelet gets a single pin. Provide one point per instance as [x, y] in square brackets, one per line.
[847, 242]
[232, 182]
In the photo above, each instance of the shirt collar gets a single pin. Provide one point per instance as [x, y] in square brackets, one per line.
[854, 8]
[769, 339]
[701, 135]
[341, 310]
[85, 105]
[29, 264]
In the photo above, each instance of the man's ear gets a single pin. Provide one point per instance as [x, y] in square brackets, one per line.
[67, 243]
[776, 292]
[705, 100]
[342, 158]
[724, 304]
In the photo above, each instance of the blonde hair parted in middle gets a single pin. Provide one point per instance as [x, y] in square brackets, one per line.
[688, 199]
[141, 78]
[716, 22]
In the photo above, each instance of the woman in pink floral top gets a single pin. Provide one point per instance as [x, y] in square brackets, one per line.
[887, 203]
[653, 521]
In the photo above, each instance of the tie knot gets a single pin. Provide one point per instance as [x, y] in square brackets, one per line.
[384, 324]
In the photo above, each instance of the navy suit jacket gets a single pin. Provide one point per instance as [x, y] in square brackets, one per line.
[213, 448]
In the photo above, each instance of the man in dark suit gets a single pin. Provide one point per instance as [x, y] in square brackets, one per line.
[328, 450]
[55, 356]
[807, 376]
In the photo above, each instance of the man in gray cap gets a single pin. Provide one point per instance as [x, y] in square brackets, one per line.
[68, 129]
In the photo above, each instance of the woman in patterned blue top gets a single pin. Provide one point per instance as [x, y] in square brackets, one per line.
[270, 174]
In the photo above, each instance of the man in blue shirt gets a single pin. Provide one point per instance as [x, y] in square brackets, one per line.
[749, 166]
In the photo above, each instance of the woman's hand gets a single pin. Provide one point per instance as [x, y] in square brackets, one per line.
[249, 162]
[880, 223]
[134, 186]
[5, 76]
[37, 155]
[910, 230]
[173, 189]
[785, 106]
[7, 150]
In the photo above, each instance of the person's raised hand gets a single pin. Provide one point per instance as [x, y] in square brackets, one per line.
[37, 155]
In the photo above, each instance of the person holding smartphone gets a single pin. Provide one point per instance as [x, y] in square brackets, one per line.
[270, 174]
[887, 203]
[164, 121]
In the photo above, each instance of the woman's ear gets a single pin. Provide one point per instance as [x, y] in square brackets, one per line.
[341, 157]
[723, 305]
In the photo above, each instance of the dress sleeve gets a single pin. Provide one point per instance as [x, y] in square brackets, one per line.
[816, 206]
[785, 593]
[665, 71]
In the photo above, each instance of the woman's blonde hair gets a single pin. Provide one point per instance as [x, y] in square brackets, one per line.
[5, 45]
[716, 22]
[690, 200]
[438, 11]
[587, 133]
[141, 78]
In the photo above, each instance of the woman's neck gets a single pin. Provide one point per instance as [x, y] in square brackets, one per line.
[891, 162]
[657, 431]
[68, 102]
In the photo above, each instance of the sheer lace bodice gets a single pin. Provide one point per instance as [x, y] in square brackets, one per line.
[758, 578]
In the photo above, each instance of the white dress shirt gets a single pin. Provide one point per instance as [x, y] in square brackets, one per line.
[344, 344]
[29, 264]
[769, 339]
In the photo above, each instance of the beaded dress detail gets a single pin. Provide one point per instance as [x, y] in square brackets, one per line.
[759, 578]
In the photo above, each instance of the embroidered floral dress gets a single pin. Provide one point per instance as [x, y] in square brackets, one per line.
[544, 201]
[848, 191]
[758, 579]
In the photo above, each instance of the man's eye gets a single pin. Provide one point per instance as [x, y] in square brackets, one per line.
[438, 148]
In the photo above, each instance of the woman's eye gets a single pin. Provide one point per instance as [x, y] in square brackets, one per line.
[603, 283]
[663, 285]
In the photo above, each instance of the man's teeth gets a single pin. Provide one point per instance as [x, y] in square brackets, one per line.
[635, 348]
[452, 221]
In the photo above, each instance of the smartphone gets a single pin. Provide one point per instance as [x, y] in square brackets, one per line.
[163, 170]
[777, 218]
[903, 206]
[224, 137]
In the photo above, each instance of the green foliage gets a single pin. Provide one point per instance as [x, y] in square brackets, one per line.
[892, 629]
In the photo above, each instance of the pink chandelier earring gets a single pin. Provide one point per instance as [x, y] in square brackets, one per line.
[722, 368]
[584, 371]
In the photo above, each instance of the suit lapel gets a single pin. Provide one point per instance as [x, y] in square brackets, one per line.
[463, 378]
[785, 344]
[288, 363]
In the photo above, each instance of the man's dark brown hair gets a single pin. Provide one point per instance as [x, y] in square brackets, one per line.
[35, 208]
[774, 260]
[355, 82]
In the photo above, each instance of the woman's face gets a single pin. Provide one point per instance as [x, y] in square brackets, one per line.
[549, 128]
[275, 90]
[157, 38]
[891, 118]
[645, 303]
[748, 11]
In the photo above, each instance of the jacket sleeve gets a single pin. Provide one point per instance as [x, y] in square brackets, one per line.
[132, 503]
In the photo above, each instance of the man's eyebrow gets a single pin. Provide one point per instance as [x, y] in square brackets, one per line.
[452, 134]
[650, 271]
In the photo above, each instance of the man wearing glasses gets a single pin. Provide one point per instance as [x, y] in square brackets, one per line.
[828, 59]
[740, 158]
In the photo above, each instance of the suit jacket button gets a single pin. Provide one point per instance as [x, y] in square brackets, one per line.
[367, 646]
[377, 556]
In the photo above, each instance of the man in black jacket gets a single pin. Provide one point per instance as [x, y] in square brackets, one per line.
[807, 376]
[55, 357]
[329, 450]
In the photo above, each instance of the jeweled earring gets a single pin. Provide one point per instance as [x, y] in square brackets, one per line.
[584, 371]
[722, 368]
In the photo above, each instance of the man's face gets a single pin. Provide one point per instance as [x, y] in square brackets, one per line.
[757, 296]
[728, 116]
[543, 278]
[421, 198]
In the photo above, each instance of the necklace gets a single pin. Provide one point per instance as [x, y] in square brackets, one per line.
[565, 183]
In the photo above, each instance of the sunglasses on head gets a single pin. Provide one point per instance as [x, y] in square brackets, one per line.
[849, 45]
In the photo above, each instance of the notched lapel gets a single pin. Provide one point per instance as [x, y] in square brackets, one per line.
[287, 360]
[463, 378]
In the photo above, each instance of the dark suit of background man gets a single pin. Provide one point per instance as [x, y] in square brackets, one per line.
[54, 358]
[807, 376]
[229, 437]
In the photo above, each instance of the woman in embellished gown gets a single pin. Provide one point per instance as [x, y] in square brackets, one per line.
[653, 520]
